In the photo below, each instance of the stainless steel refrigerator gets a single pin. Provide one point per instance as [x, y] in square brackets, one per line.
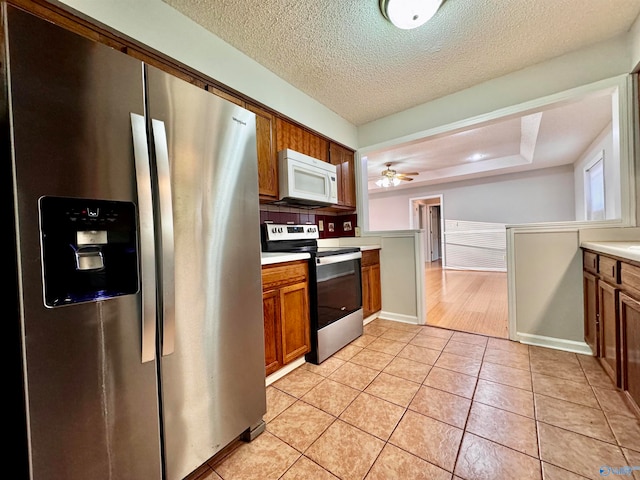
[131, 199]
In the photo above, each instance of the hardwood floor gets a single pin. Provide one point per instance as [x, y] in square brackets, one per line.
[467, 301]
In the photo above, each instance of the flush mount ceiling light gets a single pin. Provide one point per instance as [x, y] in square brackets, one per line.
[407, 14]
[476, 156]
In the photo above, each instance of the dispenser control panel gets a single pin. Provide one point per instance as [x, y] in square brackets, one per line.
[89, 249]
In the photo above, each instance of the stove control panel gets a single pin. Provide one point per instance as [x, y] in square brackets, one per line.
[278, 231]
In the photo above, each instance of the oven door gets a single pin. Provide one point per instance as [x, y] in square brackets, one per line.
[339, 286]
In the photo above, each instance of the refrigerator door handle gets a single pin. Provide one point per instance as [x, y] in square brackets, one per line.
[166, 221]
[147, 236]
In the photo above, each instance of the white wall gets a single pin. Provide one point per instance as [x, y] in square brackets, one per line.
[528, 197]
[401, 273]
[604, 141]
[545, 275]
[160, 27]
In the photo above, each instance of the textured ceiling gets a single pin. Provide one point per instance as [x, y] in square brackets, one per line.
[344, 54]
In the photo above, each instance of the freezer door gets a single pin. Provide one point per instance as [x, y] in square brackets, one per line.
[92, 404]
[213, 377]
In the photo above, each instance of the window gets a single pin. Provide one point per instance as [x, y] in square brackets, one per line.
[594, 188]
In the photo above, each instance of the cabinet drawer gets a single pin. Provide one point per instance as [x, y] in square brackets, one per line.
[370, 257]
[279, 275]
[590, 262]
[609, 269]
[630, 279]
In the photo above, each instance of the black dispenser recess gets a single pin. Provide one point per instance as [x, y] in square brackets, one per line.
[89, 249]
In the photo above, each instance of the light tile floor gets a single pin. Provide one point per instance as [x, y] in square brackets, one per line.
[416, 402]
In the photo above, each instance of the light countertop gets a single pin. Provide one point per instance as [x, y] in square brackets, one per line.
[369, 247]
[269, 258]
[630, 250]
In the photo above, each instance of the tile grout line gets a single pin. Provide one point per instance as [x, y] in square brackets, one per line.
[535, 413]
[464, 429]
[379, 371]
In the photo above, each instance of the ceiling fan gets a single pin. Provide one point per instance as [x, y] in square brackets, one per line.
[391, 177]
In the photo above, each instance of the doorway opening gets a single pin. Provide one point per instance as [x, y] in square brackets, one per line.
[467, 299]
[427, 216]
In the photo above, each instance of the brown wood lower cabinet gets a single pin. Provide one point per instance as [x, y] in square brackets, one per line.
[285, 305]
[371, 290]
[609, 330]
[612, 319]
[591, 316]
[630, 335]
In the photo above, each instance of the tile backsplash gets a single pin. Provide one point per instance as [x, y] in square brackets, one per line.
[330, 225]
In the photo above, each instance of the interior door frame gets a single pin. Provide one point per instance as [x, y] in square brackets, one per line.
[414, 203]
[434, 226]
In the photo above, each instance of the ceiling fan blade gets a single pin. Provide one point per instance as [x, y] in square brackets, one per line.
[407, 173]
[404, 179]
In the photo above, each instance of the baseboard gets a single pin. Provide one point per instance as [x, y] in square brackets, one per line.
[475, 269]
[556, 343]
[370, 318]
[288, 368]
[398, 317]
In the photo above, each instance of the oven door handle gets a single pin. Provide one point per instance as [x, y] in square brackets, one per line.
[343, 257]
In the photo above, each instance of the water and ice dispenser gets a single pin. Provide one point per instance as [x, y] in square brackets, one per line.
[89, 249]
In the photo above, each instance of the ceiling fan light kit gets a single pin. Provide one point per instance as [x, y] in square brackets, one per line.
[388, 182]
[408, 14]
[391, 178]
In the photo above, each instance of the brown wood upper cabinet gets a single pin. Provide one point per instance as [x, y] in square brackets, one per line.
[267, 154]
[226, 95]
[294, 137]
[265, 143]
[343, 159]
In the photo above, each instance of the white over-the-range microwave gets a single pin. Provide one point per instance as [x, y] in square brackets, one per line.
[306, 181]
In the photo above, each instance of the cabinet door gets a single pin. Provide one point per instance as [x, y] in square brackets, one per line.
[290, 135]
[294, 314]
[272, 344]
[349, 180]
[609, 330]
[591, 320]
[343, 159]
[366, 292]
[630, 333]
[267, 154]
[374, 285]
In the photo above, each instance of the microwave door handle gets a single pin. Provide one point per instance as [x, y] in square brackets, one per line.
[147, 237]
[166, 225]
[332, 186]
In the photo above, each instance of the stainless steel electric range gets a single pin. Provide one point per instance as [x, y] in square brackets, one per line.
[335, 286]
